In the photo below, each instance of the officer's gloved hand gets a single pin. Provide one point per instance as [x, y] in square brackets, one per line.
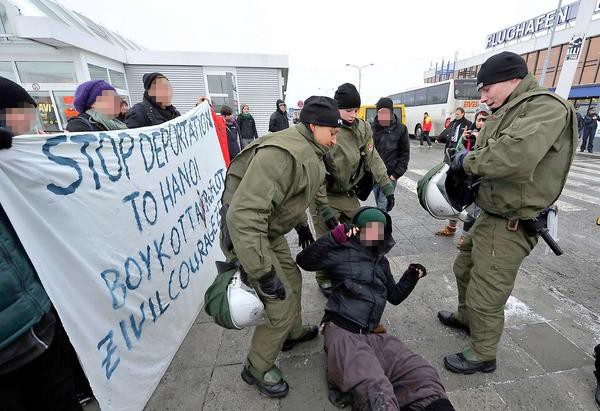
[416, 271]
[305, 237]
[391, 202]
[456, 166]
[6, 137]
[269, 286]
[332, 223]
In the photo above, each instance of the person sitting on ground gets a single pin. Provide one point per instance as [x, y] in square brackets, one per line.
[98, 105]
[157, 106]
[369, 370]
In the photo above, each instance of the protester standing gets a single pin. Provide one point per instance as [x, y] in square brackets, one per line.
[392, 143]
[123, 110]
[35, 371]
[246, 126]
[98, 105]
[268, 188]
[523, 158]
[232, 131]
[279, 119]
[156, 107]
[580, 123]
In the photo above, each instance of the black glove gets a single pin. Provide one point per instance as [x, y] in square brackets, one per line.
[6, 137]
[391, 202]
[270, 286]
[456, 166]
[416, 271]
[332, 223]
[305, 237]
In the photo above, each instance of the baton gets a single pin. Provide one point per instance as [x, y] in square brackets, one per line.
[545, 234]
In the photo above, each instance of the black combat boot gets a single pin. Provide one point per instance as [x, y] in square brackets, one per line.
[447, 318]
[269, 384]
[457, 363]
[310, 333]
[597, 372]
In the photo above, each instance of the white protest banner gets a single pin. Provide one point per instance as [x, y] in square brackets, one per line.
[122, 228]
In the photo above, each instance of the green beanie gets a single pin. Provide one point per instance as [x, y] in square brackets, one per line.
[370, 215]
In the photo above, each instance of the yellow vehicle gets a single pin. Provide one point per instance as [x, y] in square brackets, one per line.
[369, 112]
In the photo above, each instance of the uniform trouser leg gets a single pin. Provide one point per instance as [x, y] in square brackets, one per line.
[343, 208]
[495, 257]
[353, 367]
[284, 315]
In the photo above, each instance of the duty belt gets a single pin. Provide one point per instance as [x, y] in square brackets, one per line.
[512, 224]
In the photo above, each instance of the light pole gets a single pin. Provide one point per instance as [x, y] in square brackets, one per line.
[360, 68]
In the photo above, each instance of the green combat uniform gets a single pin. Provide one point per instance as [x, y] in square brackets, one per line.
[342, 163]
[525, 151]
[268, 188]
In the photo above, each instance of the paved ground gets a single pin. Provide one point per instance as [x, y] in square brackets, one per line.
[545, 358]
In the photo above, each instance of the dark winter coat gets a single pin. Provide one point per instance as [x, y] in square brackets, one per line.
[393, 146]
[590, 123]
[84, 122]
[146, 113]
[278, 121]
[580, 123]
[462, 125]
[362, 283]
[247, 127]
[232, 139]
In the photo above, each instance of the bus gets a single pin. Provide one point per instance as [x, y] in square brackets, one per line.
[440, 100]
[369, 112]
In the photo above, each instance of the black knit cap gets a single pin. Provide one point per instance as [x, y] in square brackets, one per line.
[385, 102]
[501, 67]
[320, 111]
[149, 78]
[346, 96]
[13, 95]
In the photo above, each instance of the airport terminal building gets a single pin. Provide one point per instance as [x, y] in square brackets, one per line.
[530, 39]
[49, 50]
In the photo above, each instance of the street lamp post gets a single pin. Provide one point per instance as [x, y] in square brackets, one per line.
[360, 68]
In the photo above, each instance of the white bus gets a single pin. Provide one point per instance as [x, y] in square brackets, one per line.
[440, 100]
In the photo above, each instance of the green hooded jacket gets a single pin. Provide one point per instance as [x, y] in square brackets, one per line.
[268, 187]
[525, 151]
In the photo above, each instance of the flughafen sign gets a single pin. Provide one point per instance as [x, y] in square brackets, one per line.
[534, 25]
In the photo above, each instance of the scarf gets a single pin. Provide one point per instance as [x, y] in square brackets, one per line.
[245, 116]
[110, 124]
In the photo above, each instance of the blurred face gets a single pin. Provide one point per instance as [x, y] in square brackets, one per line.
[19, 120]
[162, 92]
[480, 121]
[349, 114]
[228, 117]
[494, 95]
[372, 233]
[325, 136]
[282, 108]
[245, 110]
[384, 116]
[108, 103]
[458, 114]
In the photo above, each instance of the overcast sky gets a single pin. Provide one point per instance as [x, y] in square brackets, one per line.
[402, 38]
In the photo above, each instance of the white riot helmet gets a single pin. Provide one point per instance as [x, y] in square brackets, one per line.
[434, 199]
[245, 308]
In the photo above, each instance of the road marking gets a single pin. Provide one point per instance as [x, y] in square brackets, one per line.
[408, 184]
[584, 177]
[582, 197]
[587, 165]
[587, 170]
[564, 206]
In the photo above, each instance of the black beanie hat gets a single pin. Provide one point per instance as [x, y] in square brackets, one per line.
[149, 78]
[385, 102]
[501, 67]
[320, 111]
[12, 94]
[346, 96]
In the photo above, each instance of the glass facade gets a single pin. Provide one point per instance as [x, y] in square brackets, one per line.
[47, 120]
[46, 71]
[6, 70]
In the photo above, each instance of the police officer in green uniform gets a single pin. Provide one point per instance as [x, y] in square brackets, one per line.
[347, 163]
[523, 157]
[268, 188]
